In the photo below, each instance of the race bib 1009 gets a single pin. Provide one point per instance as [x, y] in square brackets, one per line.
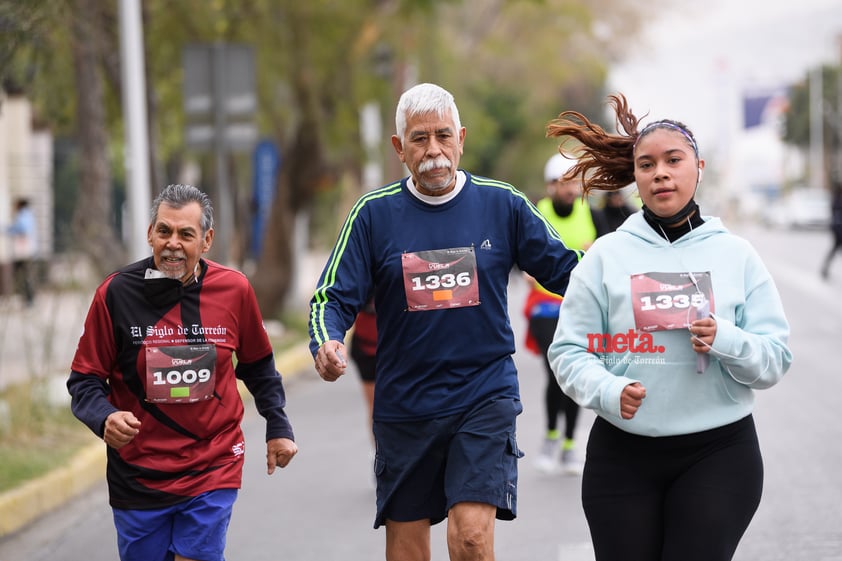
[180, 373]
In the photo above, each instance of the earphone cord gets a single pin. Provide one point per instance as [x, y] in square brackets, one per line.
[699, 292]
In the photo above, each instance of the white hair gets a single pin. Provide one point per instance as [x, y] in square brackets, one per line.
[421, 99]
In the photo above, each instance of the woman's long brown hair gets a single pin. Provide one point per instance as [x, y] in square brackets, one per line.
[605, 161]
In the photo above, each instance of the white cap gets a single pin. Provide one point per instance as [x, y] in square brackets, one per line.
[557, 166]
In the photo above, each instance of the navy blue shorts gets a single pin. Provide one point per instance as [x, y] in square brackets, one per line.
[423, 468]
[195, 529]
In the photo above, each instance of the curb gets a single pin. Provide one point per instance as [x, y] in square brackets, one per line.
[19, 507]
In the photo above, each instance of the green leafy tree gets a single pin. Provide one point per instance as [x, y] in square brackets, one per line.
[512, 65]
[58, 50]
[797, 118]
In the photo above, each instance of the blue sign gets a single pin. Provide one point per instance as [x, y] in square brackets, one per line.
[266, 161]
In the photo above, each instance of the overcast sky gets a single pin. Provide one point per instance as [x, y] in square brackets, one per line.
[696, 58]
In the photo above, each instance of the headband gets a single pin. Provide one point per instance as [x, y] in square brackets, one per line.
[667, 124]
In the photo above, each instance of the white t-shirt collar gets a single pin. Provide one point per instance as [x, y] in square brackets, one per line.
[441, 199]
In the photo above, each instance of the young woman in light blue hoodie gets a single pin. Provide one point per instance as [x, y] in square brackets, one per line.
[669, 324]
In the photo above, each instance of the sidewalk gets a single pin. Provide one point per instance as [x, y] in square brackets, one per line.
[38, 342]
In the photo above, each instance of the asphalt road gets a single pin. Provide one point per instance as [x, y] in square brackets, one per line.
[321, 507]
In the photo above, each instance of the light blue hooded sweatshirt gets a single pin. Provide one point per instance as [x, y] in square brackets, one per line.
[749, 351]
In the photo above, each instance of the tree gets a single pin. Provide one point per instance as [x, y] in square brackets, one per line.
[513, 65]
[51, 62]
[92, 224]
[797, 118]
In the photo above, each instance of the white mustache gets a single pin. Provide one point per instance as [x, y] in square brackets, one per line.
[173, 254]
[440, 162]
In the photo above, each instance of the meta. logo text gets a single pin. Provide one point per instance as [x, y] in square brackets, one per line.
[629, 342]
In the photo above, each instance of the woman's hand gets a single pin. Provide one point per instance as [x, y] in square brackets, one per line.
[631, 399]
[702, 334]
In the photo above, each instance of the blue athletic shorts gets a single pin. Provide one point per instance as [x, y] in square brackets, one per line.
[423, 468]
[194, 529]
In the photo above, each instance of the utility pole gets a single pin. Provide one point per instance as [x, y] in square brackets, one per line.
[137, 136]
[225, 208]
[816, 129]
[838, 154]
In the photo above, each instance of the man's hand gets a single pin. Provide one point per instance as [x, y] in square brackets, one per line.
[120, 428]
[279, 452]
[330, 361]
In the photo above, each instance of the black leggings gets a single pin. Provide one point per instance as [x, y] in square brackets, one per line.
[555, 401]
[675, 498]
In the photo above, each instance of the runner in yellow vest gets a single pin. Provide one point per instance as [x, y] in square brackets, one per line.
[579, 225]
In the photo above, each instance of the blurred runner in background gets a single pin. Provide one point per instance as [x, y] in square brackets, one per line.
[579, 225]
[835, 226]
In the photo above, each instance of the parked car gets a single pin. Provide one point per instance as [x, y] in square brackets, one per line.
[805, 208]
